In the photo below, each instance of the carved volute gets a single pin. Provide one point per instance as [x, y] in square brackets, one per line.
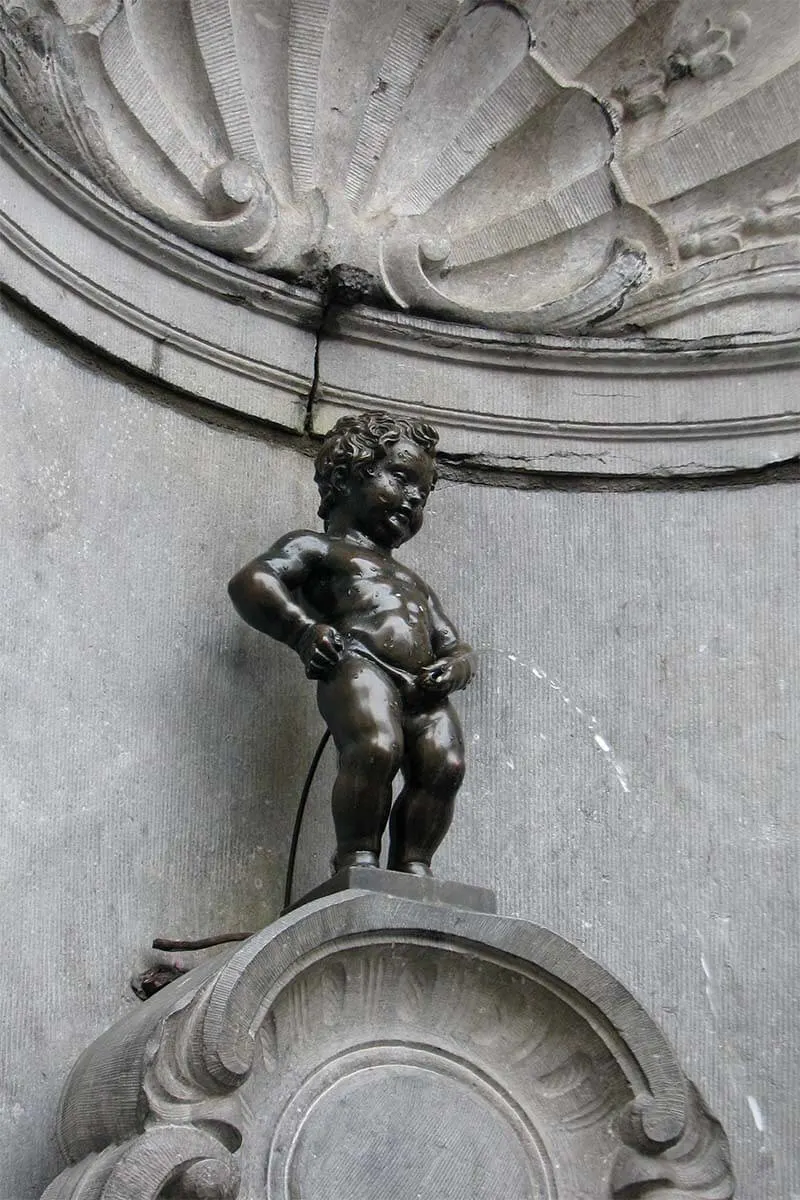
[540, 167]
[583, 217]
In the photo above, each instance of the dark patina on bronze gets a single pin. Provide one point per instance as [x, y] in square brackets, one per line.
[375, 637]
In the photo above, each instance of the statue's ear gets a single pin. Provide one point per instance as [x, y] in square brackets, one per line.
[341, 476]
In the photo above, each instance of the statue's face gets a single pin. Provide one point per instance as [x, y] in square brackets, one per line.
[387, 503]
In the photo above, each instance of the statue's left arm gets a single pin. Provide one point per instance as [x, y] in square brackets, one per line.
[454, 665]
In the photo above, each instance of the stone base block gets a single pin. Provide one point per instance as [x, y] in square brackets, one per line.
[428, 890]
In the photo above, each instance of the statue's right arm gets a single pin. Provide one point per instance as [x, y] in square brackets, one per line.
[263, 592]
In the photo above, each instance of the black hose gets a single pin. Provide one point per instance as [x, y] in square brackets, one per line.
[298, 821]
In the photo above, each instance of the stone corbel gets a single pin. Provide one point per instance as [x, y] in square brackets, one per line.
[377, 1045]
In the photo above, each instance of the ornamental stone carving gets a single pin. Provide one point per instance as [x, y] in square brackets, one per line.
[530, 167]
[652, 203]
[372, 1047]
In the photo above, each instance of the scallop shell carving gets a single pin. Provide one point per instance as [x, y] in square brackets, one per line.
[534, 167]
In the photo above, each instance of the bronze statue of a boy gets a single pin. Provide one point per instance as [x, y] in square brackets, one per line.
[374, 636]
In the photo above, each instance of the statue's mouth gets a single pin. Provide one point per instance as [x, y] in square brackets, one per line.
[400, 520]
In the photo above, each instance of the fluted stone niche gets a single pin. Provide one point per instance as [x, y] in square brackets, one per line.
[371, 1046]
[523, 166]
[569, 233]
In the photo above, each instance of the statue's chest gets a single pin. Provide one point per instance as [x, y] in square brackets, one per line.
[358, 580]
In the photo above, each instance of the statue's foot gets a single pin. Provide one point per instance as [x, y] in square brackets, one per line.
[415, 868]
[356, 858]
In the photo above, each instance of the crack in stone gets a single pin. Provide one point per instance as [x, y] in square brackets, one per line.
[461, 468]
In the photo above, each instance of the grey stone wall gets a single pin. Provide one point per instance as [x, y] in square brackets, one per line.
[633, 734]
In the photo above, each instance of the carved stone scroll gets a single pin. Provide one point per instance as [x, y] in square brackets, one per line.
[481, 160]
[373, 1046]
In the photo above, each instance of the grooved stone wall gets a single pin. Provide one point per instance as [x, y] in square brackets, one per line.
[633, 735]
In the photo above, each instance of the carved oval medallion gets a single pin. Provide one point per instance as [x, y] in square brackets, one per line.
[393, 1121]
[381, 1064]
[370, 1047]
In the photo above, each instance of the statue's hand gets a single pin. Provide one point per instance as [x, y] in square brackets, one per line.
[320, 648]
[447, 675]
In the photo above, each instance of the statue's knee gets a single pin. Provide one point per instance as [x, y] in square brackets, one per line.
[452, 771]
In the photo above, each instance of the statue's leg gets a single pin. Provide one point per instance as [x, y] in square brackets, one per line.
[433, 769]
[363, 712]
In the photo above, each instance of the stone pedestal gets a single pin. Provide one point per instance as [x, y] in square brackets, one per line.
[408, 887]
[376, 1046]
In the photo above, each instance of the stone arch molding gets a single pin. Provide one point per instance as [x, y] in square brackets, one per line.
[531, 195]
[521, 167]
[373, 1047]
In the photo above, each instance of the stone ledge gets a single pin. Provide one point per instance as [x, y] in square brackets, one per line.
[427, 890]
[253, 345]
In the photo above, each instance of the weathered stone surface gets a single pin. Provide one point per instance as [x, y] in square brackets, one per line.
[373, 1046]
[166, 310]
[629, 406]
[632, 784]
[394, 883]
[530, 167]
[224, 334]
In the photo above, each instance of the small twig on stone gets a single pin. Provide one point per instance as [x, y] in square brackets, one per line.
[171, 944]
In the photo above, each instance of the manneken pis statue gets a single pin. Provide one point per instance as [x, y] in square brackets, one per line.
[374, 636]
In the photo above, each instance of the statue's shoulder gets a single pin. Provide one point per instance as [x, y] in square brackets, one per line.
[305, 542]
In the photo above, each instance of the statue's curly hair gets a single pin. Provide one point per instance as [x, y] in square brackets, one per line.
[355, 444]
